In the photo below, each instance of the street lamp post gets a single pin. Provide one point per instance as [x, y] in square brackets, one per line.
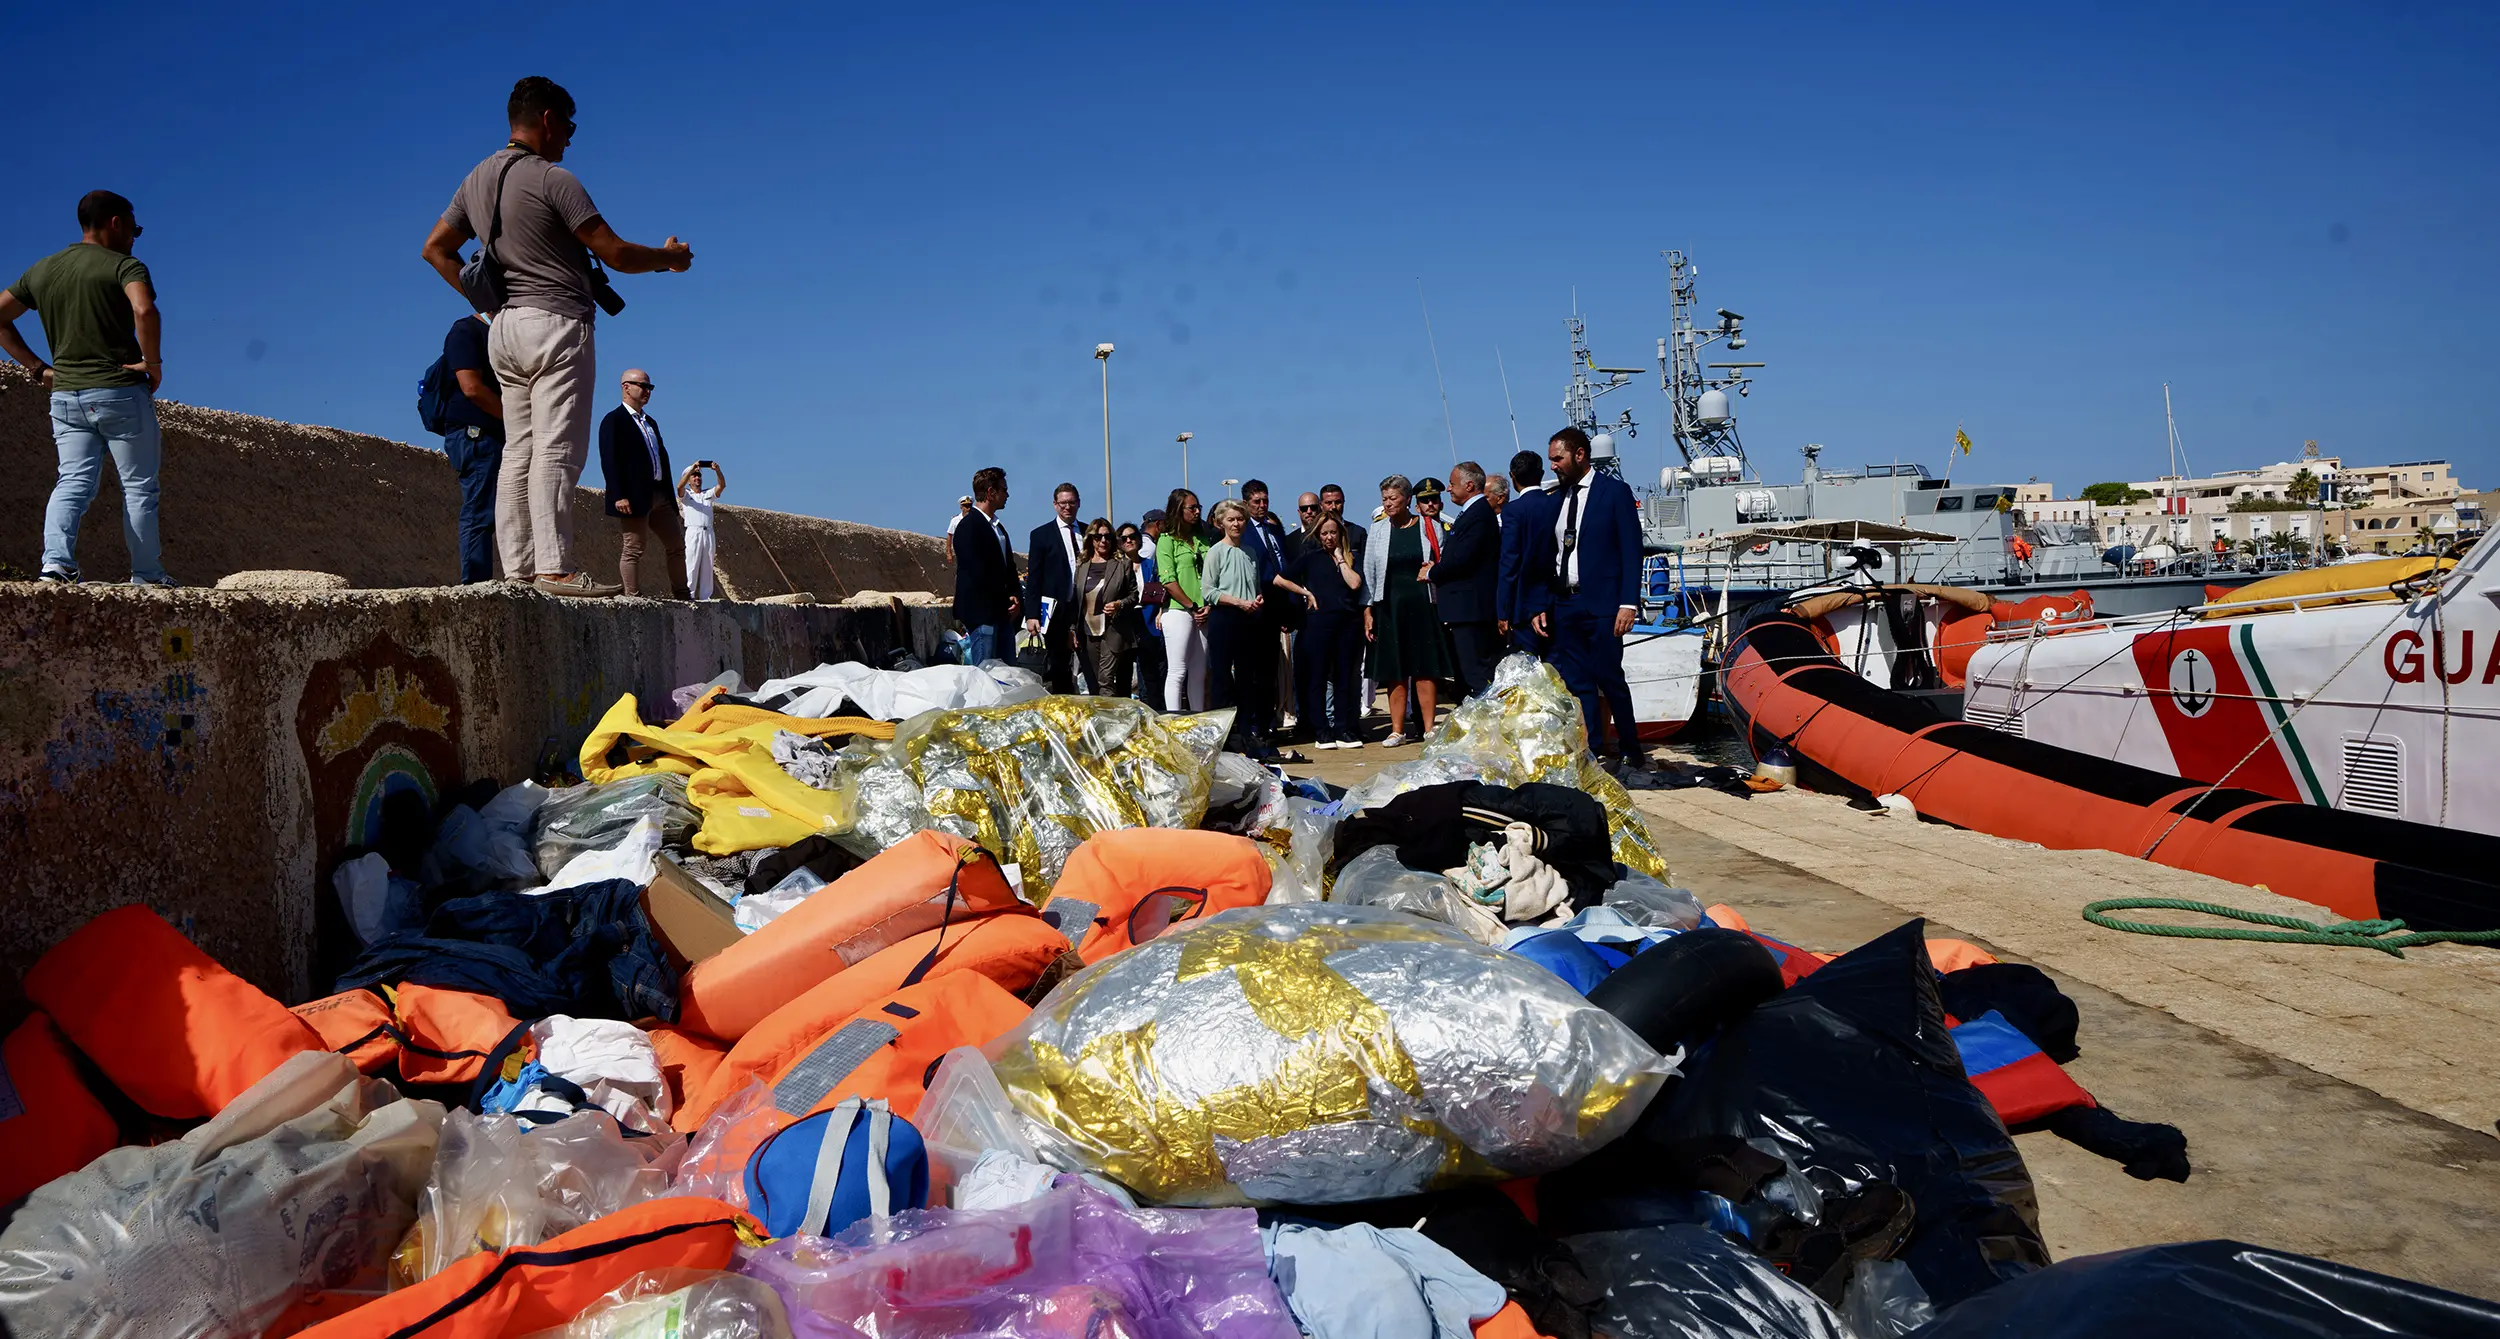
[1228, 486]
[1183, 439]
[1102, 354]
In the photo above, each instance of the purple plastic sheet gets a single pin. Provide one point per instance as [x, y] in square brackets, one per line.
[1070, 1264]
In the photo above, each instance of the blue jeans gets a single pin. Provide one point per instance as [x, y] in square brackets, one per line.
[86, 424]
[475, 462]
[982, 643]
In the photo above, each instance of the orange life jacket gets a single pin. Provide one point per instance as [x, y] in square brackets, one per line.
[1011, 951]
[1511, 1322]
[687, 1060]
[1126, 885]
[178, 1033]
[56, 1125]
[926, 880]
[356, 1024]
[888, 1050]
[447, 1036]
[521, 1291]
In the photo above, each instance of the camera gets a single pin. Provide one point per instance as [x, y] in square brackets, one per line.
[604, 293]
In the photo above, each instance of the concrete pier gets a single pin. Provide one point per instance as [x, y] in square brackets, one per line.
[210, 753]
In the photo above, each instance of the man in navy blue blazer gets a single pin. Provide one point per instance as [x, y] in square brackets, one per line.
[1052, 553]
[1588, 556]
[1530, 508]
[985, 573]
[1467, 578]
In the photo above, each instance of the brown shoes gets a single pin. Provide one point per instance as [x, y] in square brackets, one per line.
[575, 585]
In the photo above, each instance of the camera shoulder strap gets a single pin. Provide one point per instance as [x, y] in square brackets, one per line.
[494, 224]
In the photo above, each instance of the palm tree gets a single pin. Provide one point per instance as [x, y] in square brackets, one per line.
[2303, 488]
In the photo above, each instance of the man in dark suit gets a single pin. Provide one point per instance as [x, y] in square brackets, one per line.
[642, 494]
[1261, 684]
[1530, 511]
[985, 573]
[1051, 556]
[1468, 577]
[1590, 559]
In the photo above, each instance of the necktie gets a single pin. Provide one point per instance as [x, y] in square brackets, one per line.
[1571, 536]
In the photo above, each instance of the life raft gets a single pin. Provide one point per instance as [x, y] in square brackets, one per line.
[1782, 686]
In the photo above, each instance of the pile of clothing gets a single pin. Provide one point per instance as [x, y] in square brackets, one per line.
[1042, 1016]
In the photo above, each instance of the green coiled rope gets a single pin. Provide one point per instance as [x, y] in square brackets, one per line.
[2387, 936]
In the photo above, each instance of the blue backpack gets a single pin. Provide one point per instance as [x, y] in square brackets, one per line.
[822, 1174]
[436, 391]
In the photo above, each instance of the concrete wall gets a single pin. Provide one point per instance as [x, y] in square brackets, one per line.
[241, 493]
[210, 754]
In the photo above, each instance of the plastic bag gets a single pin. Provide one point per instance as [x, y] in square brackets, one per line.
[1398, 778]
[300, 1185]
[500, 1182]
[1310, 835]
[2213, 1290]
[1376, 879]
[964, 1115]
[757, 910]
[680, 1304]
[1850, 1078]
[1244, 796]
[1072, 1262]
[714, 1165]
[629, 859]
[1646, 902]
[1884, 1301]
[595, 817]
[1688, 1282]
[1315, 1054]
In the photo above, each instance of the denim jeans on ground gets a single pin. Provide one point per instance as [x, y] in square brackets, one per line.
[86, 425]
[475, 463]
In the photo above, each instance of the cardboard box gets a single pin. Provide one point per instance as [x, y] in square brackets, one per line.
[692, 922]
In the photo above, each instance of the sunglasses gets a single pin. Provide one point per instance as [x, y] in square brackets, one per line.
[644, 384]
[1306, 506]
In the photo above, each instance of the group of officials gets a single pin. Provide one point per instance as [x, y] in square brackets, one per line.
[1220, 603]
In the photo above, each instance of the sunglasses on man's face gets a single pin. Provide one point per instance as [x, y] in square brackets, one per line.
[1306, 506]
[643, 384]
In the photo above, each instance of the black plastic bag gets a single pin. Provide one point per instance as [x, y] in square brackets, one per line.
[2213, 1290]
[1851, 1078]
[1687, 1282]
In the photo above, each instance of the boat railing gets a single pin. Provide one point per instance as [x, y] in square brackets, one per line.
[2292, 604]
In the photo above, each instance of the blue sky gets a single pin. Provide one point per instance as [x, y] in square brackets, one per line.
[912, 225]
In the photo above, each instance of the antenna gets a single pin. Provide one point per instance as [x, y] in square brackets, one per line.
[2178, 450]
[1514, 409]
[1435, 345]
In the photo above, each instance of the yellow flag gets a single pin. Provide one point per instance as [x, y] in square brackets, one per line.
[1961, 439]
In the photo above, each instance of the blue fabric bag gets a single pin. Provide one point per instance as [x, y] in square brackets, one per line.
[822, 1174]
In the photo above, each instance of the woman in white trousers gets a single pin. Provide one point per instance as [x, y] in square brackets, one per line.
[1179, 552]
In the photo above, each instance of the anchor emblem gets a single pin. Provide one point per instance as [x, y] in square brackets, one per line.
[2191, 684]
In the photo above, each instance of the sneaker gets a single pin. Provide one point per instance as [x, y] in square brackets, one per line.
[577, 585]
[1395, 740]
[160, 581]
[56, 577]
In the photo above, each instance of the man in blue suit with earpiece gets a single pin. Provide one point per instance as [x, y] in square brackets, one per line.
[1589, 558]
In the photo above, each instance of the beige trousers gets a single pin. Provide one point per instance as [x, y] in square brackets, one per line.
[547, 364]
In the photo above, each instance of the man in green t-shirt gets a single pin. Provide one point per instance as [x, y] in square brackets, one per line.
[99, 316]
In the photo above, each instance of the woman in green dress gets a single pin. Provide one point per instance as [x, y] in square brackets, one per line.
[1402, 623]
